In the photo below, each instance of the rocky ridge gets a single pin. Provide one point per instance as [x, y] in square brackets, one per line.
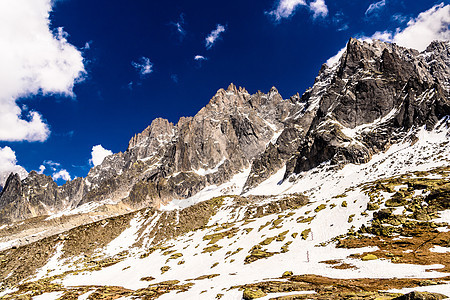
[370, 99]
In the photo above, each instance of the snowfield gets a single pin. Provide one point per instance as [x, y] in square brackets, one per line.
[308, 243]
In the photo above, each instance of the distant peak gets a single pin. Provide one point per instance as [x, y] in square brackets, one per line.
[273, 90]
[437, 45]
[232, 88]
[159, 126]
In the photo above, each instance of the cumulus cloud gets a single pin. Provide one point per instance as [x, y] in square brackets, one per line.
[429, 25]
[33, 60]
[61, 174]
[98, 155]
[41, 169]
[8, 165]
[319, 8]
[144, 66]
[286, 8]
[375, 7]
[214, 36]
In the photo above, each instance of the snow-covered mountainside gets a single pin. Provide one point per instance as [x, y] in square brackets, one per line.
[342, 193]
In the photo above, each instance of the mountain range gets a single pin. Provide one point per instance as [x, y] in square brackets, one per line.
[256, 196]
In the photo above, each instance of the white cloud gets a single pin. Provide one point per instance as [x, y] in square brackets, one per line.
[375, 7]
[33, 60]
[335, 59]
[8, 165]
[53, 165]
[286, 8]
[214, 35]
[144, 67]
[179, 26]
[41, 169]
[429, 25]
[399, 18]
[61, 174]
[385, 36]
[199, 57]
[343, 27]
[87, 45]
[319, 8]
[98, 155]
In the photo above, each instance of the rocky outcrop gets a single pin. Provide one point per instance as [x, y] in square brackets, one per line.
[368, 101]
[376, 94]
[38, 190]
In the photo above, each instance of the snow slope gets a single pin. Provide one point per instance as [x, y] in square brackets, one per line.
[304, 253]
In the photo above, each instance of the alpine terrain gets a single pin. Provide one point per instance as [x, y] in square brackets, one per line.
[340, 193]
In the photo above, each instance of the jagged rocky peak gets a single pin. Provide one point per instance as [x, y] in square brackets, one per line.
[232, 127]
[437, 56]
[160, 129]
[13, 186]
[378, 92]
[39, 191]
[361, 105]
[370, 78]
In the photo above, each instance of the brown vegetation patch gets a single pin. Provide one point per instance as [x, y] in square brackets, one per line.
[330, 288]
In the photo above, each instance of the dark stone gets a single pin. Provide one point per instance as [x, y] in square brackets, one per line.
[421, 296]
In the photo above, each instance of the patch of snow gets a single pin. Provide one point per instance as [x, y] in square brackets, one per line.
[273, 295]
[8, 291]
[9, 244]
[127, 238]
[439, 249]
[232, 187]
[443, 289]
[52, 264]
[204, 172]
[444, 216]
[82, 209]
[146, 158]
[275, 136]
[49, 296]
[353, 132]
[85, 296]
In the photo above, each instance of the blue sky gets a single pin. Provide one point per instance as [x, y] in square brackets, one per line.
[108, 68]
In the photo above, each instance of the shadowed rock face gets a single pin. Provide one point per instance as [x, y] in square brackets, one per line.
[362, 105]
[368, 101]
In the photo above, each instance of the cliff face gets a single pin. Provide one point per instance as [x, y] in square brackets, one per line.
[369, 100]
